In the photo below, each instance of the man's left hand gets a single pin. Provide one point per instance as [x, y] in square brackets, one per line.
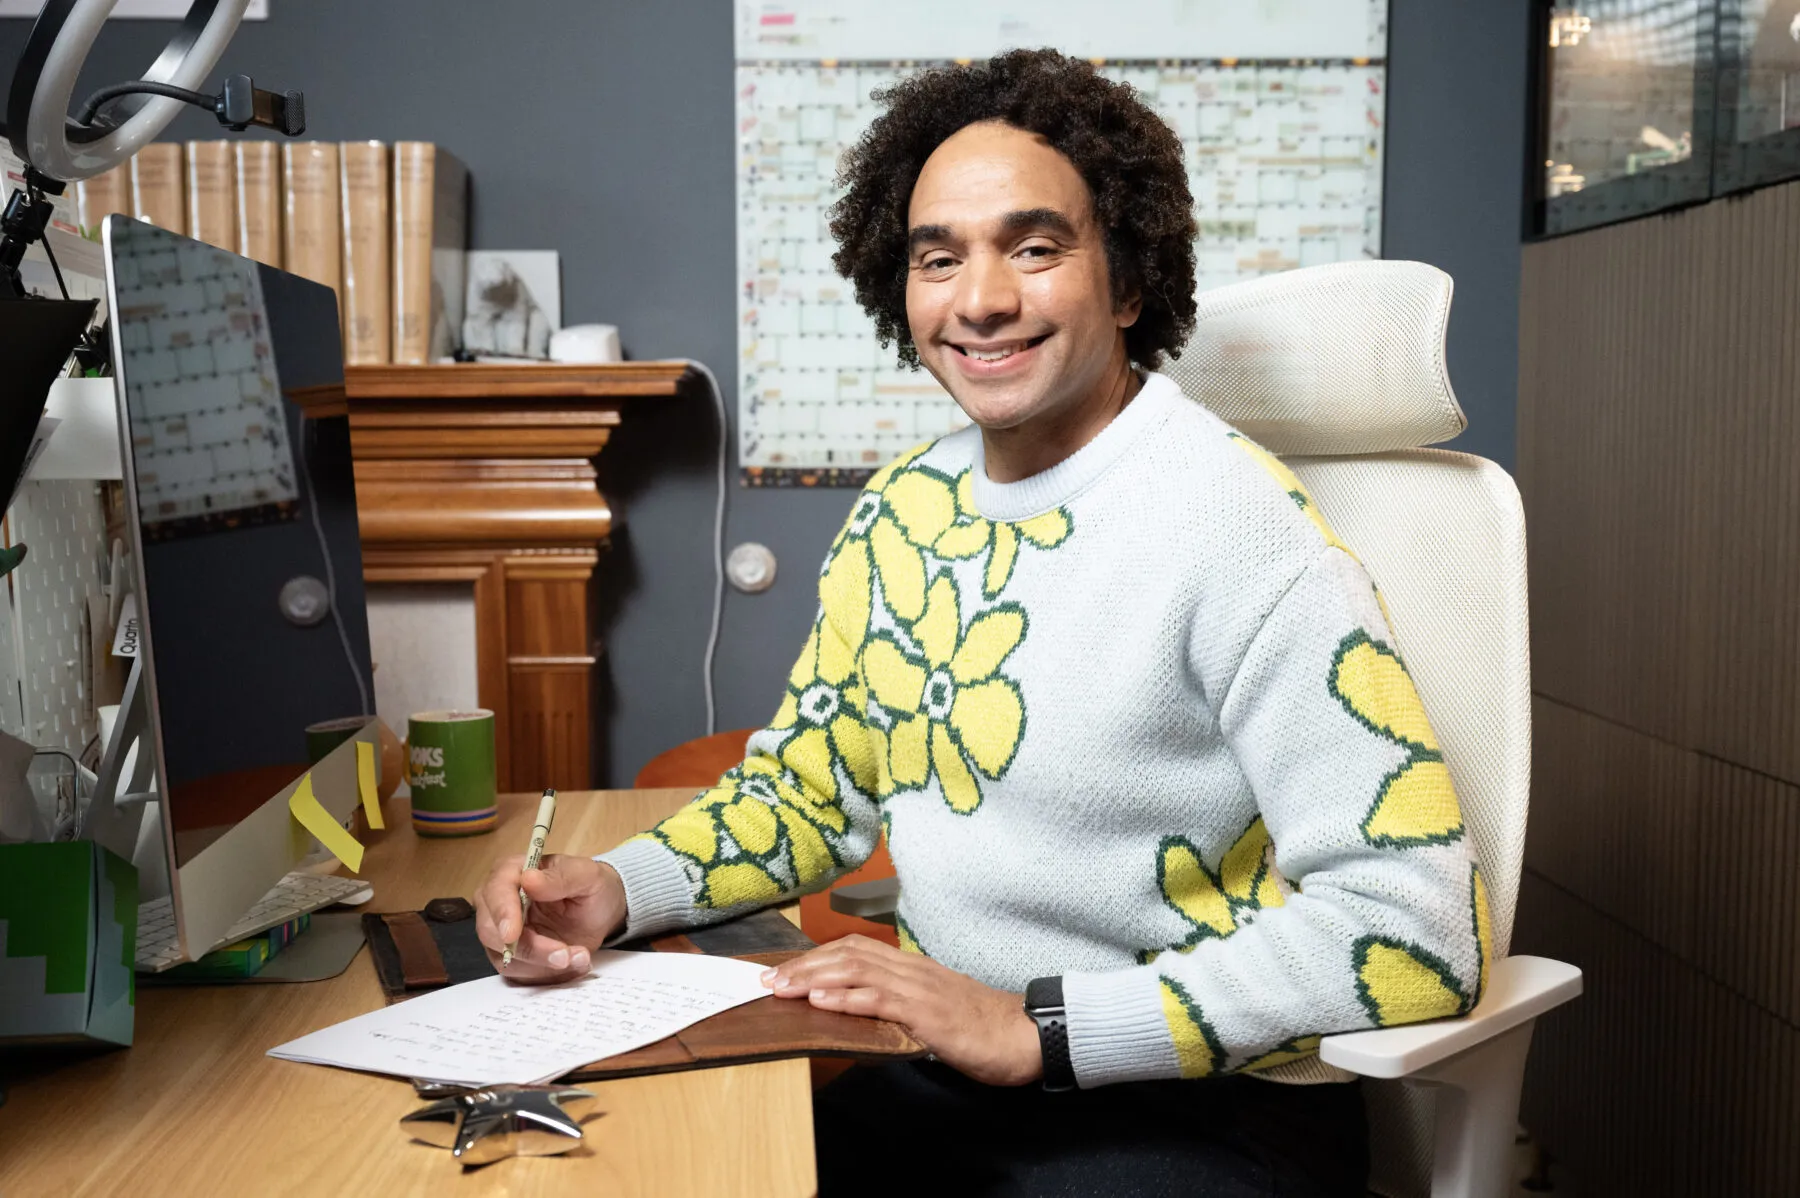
[973, 1028]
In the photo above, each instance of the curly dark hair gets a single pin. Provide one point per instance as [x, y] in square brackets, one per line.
[1129, 158]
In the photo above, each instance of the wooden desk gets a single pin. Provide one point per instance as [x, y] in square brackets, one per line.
[195, 1106]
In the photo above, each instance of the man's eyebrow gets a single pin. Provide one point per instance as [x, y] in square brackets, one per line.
[1038, 218]
[922, 234]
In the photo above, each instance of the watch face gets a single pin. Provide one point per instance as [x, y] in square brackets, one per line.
[1044, 994]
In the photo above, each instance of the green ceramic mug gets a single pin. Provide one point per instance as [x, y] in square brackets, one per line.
[450, 768]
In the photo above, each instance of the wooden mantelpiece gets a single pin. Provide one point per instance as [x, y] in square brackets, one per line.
[484, 475]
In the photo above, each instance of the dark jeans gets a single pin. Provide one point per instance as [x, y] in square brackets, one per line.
[922, 1128]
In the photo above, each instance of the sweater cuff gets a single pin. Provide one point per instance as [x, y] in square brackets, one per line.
[1117, 1032]
[658, 895]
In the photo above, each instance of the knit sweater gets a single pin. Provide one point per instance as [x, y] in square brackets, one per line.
[1139, 720]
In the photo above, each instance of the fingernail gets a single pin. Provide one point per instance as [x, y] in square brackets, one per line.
[559, 959]
[766, 975]
[581, 959]
[815, 995]
[506, 932]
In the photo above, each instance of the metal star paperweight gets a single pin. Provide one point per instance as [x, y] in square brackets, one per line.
[495, 1122]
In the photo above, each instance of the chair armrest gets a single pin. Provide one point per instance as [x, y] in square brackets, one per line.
[1519, 990]
[868, 900]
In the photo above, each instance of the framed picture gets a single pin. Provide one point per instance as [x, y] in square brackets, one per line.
[514, 303]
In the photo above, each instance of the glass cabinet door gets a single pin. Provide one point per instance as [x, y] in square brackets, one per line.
[1626, 107]
[1757, 139]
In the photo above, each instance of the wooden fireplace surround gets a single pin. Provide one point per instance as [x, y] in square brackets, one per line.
[485, 475]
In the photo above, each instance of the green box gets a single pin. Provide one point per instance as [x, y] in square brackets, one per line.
[68, 936]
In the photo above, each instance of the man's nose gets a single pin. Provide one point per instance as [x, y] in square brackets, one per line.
[987, 290]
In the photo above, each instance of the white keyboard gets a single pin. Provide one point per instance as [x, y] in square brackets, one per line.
[159, 946]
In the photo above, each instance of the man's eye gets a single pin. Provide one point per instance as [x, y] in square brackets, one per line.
[939, 262]
[1038, 251]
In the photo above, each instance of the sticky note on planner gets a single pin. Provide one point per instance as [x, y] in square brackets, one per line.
[314, 818]
[365, 782]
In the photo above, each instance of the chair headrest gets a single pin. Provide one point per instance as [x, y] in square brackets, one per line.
[1339, 359]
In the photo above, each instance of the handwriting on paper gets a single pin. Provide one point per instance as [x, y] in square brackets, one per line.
[493, 1031]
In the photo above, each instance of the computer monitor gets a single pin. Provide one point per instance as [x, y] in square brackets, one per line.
[240, 517]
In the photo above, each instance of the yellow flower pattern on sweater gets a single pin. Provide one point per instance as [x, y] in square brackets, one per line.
[769, 825]
[947, 711]
[1197, 1051]
[1417, 803]
[973, 533]
[953, 714]
[892, 521]
[1402, 983]
[754, 836]
[1211, 902]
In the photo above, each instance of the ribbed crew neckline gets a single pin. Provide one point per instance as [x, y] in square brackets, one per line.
[1048, 489]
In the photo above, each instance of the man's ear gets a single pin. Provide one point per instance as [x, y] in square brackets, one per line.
[1127, 310]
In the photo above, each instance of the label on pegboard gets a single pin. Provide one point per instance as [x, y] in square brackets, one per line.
[127, 638]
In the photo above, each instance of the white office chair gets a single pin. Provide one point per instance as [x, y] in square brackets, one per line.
[1340, 369]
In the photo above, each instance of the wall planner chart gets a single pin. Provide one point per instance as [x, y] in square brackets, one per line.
[1280, 106]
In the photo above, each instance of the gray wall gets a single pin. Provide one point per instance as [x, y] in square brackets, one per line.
[604, 131]
[1455, 187]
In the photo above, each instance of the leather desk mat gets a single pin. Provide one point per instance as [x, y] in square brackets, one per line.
[415, 951]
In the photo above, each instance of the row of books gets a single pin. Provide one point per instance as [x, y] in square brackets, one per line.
[386, 226]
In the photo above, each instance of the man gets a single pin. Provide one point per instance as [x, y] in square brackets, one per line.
[1131, 716]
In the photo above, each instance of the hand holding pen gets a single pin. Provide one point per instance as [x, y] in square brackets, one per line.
[540, 832]
[541, 916]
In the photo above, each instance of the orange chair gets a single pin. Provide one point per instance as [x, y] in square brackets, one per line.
[696, 763]
[700, 762]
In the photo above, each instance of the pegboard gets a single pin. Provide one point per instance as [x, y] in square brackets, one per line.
[44, 661]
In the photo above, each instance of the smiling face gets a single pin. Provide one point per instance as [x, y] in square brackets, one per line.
[1007, 294]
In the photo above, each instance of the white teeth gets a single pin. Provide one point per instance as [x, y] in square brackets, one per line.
[991, 355]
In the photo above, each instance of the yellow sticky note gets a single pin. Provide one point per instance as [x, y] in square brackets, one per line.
[315, 819]
[365, 782]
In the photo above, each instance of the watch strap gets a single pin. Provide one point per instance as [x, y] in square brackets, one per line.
[1044, 1003]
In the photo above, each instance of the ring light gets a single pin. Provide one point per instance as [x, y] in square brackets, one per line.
[37, 111]
[58, 150]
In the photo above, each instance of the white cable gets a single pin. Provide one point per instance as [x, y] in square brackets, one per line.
[312, 506]
[718, 613]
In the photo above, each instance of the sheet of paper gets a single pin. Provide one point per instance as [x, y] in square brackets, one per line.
[494, 1031]
[314, 818]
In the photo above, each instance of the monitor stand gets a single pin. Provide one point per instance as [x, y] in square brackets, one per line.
[226, 878]
[125, 809]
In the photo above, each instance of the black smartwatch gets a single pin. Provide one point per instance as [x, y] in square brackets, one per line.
[1044, 1003]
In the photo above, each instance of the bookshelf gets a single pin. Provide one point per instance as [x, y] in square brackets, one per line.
[481, 478]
